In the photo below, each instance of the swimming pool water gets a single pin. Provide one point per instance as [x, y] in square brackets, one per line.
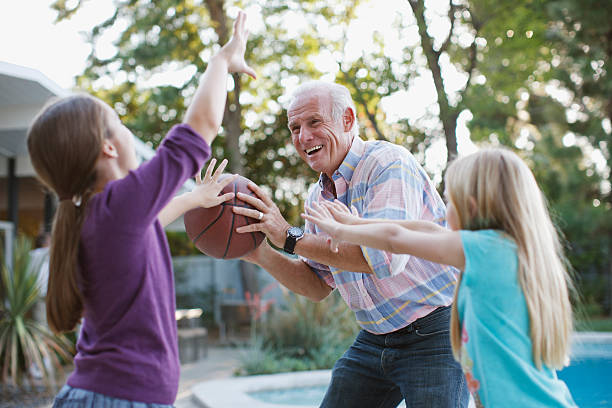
[293, 396]
[589, 378]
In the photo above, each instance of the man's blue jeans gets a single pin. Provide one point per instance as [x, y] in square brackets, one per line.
[414, 363]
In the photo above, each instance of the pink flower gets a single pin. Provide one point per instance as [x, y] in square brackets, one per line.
[257, 306]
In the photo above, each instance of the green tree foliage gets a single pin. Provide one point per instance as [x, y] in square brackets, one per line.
[171, 35]
[581, 33]
[512, 44]
[371, 78]
[535, 77]
[547, 94]
[571, 185]
[472, 46]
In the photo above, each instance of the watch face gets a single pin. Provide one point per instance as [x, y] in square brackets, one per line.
[295, 232]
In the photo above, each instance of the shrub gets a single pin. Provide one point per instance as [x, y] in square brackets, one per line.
[24, 342]
[303, 335]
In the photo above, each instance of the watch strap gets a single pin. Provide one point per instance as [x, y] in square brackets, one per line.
[290, 242]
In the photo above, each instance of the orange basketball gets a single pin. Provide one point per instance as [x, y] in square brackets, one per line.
[213, 230]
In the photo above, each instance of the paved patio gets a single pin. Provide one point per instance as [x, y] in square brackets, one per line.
[220, 363]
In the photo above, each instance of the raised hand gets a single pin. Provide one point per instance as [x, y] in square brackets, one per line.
[341, 212]
[234, 50]
[207, 189]
[321, 215]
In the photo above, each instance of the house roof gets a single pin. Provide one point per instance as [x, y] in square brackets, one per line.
[23, 92]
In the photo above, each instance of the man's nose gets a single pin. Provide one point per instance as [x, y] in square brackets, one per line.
[305, 134]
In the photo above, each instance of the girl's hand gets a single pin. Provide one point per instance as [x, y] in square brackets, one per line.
[341, 212]
[323, 218]
[234, 50]
[207, 189]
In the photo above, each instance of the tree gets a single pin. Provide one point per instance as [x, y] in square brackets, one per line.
[513, 58]
[546, 94]
[373, 77]
[572, 186]
[581, 32]
[178, 35]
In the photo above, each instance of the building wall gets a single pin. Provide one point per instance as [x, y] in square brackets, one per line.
[31, 199]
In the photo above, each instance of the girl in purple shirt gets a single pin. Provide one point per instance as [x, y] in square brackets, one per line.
[110, 263]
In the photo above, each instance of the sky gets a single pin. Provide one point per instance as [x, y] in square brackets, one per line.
[32, 39]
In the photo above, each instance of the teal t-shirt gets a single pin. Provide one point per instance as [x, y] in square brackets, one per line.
[496, 354]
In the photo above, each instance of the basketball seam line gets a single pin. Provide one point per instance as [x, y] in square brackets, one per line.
[229, 239]
[208, 226]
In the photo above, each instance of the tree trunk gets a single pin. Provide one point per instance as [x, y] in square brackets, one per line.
[233, 129]
[232, 118]
[374, 123]
[361, 101]
[448, 116]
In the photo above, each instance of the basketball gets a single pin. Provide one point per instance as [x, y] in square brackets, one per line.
[213, 230]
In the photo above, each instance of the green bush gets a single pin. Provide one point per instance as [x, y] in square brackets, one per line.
[303, 335]
[180, 244]
[600, 324]
[23, 341]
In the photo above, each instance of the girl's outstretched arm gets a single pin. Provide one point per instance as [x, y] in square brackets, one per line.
[433, 244]
[205, 194]
[343, 215]
[205, 112]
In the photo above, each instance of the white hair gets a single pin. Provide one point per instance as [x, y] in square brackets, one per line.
[340, 99]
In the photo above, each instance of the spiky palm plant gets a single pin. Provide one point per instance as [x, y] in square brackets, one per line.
[24, 342]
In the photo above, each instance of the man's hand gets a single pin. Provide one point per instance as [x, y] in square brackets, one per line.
[271, 222]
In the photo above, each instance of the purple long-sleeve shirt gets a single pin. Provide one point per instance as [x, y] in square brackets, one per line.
[128, 344]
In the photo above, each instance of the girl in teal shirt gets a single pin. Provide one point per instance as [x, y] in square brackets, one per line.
[512, 319]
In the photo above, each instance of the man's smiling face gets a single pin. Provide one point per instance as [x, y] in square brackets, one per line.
[321, 141]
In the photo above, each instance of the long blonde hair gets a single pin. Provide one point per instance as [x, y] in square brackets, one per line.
[494, 189]
[64, 142]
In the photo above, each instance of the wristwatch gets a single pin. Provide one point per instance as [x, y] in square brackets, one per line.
[294, 234]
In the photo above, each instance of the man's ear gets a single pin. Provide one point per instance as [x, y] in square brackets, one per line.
[108, 149]
[348, 119]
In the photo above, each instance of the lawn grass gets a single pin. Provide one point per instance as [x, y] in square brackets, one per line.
[599, 324]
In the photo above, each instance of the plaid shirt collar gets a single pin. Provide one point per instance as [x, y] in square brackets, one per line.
[345, 171]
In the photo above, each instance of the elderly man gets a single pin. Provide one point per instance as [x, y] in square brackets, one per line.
[401, 302]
